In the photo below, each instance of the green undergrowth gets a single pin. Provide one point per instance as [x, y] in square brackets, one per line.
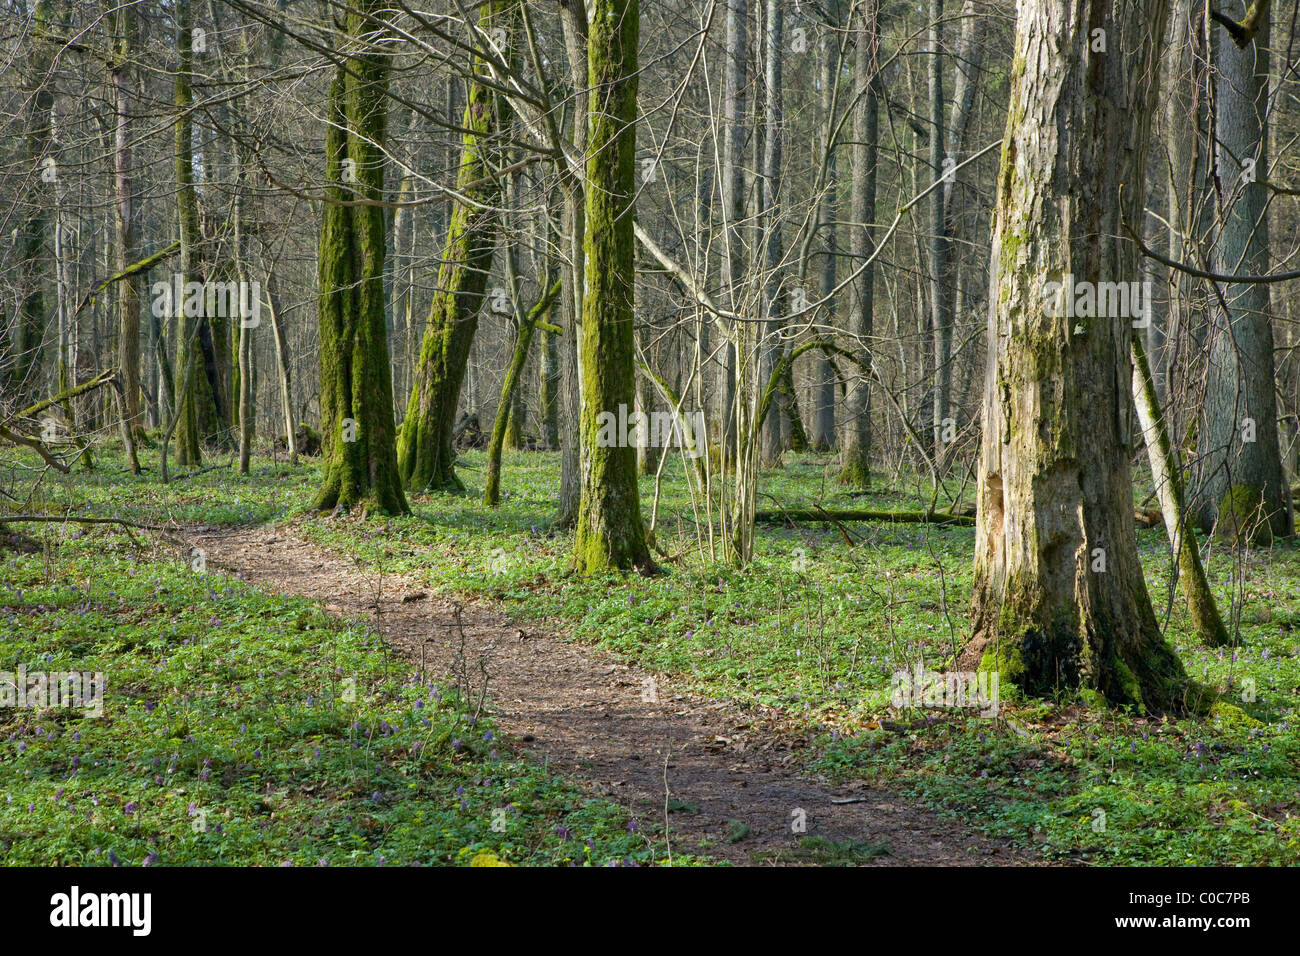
[241, 728]
[816, 628]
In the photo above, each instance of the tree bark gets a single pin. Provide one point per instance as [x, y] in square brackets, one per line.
[573, 268]
[610, 533]
[188, 453]
[357, 430]
[425, 453]
[1241, 488]
[855, 450]
[1059, 598]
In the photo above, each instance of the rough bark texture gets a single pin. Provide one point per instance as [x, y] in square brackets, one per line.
[424, 450]
[610, 533]
[357, 431]
[1241, 489]
[1059, 598]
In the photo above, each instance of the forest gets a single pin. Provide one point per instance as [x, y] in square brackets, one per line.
[531, 433]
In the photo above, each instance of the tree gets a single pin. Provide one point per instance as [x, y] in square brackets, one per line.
[610, 533]
[1242, 489]
[425, 454]
[357, 431]
[940, 242]
[855, 449]
[1059, 598]
[189, 371]
[124, 218]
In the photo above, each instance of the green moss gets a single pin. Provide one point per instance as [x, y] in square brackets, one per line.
[1241, 517]
[1232, 715]
[1129, 686]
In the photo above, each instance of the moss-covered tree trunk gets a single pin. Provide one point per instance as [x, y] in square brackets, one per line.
[188, 372]
[1167, 476]
[424, 448]
[1241, 487]
[1059, 597]
[357, 430]
[505, 407]
[610, 533]
[855, 449]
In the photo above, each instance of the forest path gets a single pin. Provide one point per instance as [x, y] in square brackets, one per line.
[581, 711]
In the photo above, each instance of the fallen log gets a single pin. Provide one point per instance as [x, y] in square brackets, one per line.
[864, 514]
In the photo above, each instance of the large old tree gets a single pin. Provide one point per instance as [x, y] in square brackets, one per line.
[1059, 596]
[357, 430]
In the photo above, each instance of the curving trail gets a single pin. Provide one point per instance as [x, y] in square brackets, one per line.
[697, 762]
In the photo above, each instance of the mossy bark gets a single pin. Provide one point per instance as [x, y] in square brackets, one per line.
[1168, 479]
[357, 430]
[424, 450]
[1059, 599]
[523, 339]
[610, 533]
[188, 453]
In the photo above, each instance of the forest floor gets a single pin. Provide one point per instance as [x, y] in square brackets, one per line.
[720, 780]
[773, 687]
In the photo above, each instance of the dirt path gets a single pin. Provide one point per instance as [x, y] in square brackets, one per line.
[584, 713]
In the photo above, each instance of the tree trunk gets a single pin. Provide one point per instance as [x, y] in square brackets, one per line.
[424, 449]
[1241, 488]
[733, 200]
[1059, 598]
[940, 245]
[128, 289]
[1166, 474]
[573, 268]
[855, 450]
[359, 453]
[823, 411]
[774, 426]
[286, 374]
[523, 339]
[610, 533]
[188, 452]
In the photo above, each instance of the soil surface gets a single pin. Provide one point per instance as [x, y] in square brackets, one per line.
[706, 769]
